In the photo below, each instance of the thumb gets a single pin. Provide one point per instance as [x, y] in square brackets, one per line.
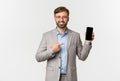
[61, 44]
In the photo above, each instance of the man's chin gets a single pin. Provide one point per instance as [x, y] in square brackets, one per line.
[62, 27]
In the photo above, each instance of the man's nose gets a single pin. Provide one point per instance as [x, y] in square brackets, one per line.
[61, 18]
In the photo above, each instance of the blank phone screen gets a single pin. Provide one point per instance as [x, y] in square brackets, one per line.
[89, 32]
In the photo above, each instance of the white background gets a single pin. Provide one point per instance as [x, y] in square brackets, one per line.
[22, 23]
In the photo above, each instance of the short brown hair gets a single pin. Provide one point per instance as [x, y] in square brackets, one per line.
[61, 9]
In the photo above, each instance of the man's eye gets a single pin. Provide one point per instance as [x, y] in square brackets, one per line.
[64, 17]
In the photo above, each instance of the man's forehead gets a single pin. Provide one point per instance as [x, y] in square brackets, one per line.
[62, 13]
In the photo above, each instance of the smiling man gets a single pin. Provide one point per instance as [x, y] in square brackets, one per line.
[60, 47]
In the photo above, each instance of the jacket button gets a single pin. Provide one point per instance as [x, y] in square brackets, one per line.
[59, 67]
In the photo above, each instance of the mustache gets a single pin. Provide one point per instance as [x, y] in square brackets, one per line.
[61, 22]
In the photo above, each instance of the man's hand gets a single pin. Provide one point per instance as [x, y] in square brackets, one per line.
[92, 38]
[56, 47]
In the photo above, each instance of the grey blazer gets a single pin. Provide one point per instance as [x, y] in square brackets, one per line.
[74, 47]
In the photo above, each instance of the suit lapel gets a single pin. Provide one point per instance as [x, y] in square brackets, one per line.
[68, 44]
[69, 38]
[54, 34]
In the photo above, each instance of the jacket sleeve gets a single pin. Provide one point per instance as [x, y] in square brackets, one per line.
[43, 53]
[82, 50]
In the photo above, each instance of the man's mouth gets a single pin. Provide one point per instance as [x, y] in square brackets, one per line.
[61, 22]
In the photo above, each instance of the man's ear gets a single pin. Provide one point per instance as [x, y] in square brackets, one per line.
[54, 17]
[68, 18]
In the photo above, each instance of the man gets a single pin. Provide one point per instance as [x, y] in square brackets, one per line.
[60, 47]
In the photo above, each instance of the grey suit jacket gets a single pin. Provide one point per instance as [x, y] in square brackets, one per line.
[74, 47]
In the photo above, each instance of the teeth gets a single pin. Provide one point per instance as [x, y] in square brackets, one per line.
[61, 23]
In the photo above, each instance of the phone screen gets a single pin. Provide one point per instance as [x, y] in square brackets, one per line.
[89, 31]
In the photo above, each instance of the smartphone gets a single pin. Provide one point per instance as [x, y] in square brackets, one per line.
[89, 31]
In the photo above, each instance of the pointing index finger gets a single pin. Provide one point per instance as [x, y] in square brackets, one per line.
[61, 44]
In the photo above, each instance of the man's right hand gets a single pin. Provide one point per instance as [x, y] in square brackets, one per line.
[56, 47]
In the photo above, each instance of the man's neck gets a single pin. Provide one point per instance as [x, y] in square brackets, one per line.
[61, 30]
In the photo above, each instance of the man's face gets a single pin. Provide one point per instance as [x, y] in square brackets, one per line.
[61, 19]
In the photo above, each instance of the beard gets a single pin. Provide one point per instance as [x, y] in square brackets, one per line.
[61, 24]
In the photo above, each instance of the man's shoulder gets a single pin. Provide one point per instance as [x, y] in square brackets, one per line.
[53, 31]
[73, 32]
[50, 31]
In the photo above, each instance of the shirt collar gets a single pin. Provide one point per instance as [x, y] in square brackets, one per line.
[66, 32]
